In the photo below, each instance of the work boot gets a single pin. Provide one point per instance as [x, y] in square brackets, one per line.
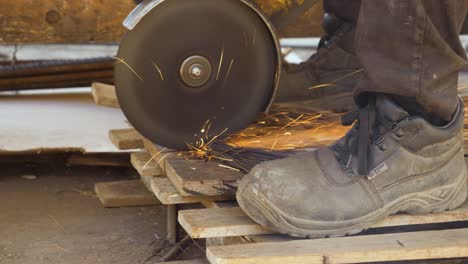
[332, 71]
[389, 162]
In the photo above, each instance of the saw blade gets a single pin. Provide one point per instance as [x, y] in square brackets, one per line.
[196, 69]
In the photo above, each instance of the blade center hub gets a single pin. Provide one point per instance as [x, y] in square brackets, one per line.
[195, 71]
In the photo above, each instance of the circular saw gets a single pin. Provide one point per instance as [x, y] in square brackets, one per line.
[196, 69]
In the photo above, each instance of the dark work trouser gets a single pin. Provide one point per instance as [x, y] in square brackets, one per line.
[409, 48]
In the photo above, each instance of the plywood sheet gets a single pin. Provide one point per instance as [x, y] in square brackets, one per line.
[56, 122]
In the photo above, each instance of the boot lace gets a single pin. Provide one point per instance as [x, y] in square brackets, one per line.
[368, 129]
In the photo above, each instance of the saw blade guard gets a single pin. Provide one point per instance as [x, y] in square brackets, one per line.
[193, 70]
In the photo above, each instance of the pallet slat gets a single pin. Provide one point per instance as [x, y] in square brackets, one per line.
[126, 139]
[99, 159]
[196, 261]
[124, 194]
[155, 180]
[358, 249]
[195, 177]
[219, 222]
[104, 94]
[224, 222]
[141, 161]
[167, 193]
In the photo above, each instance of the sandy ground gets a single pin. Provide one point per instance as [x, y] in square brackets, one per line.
[56, 218]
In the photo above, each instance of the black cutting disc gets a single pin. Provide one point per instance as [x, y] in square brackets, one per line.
[191, 63]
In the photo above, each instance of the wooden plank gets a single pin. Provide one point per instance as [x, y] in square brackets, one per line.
[163, 188]
[235, 240]
[219, 222]
[195, 261]
[153, 177]
[99, 160]
[126, 139]
[227, 241]
[145, 166]
[224, 222]
[168, 194]
[195, 177]
[124, 194]
[104, 94]
[56, 21]
[200, 177]
[358, 249]
[219, 204]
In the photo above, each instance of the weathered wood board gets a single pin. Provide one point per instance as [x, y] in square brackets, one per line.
[145, 166]
[99, 159]
[219, 222]
[195, 177]
[168, 194]
[155, 180]
[224, 222]
[124, 194]
[195, 261]
[126, 139]
[358, 249]
[104, 94]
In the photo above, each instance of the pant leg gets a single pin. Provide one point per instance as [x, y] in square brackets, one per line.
[337, 13]
[411, 48]
[347, 10]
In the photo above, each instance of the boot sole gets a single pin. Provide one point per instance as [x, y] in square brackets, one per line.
[425, 202]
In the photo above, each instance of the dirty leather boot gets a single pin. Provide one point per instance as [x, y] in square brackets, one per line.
[332, 70]
[389, 162]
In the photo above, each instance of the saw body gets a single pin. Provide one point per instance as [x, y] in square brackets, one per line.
[193, 70]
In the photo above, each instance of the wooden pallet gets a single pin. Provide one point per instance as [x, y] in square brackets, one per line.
[232, 237]
[256, 244]
[232, 222]
[155, 166]
[359, 249]
[155, 178]
[195, 177]
[228, 222]
[191, 178]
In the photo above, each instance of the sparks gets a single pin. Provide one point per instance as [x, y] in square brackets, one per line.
[274, 143]
[229, 70]
[159, 70]
[228, 167]
[254, 37]
[152, 158]
[128, 66]
[220, 62]
[333, 83]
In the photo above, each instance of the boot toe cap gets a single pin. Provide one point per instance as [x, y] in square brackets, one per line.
[294, 194]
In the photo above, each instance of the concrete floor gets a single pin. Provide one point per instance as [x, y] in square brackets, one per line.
[56, 218]
[50, 215]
